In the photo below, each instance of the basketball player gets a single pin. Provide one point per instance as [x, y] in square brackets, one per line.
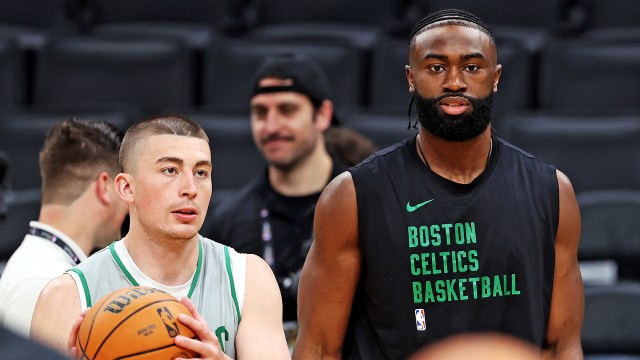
[166, 181]
[451, 231]
[80, 211]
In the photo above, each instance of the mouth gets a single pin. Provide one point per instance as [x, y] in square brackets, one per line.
[186, 214]
[454, 105]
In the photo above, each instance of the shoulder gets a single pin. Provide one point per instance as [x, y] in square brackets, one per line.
[338, 189]
[260, 281]
[97, 258]
[513, 150]
[383, 154]
[59, 287]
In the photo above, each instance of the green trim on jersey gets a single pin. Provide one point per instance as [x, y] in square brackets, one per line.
[196, 276]
[112, 249]
[133, 281]
[227, 260]
[85, 286]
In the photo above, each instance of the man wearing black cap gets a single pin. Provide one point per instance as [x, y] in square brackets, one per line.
[448, 232]
[272, 216]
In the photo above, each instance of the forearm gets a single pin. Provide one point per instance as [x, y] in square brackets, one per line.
[307, 351]
[557, 352]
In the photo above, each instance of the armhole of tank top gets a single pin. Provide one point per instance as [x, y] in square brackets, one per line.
[81, 285]
[236, 268]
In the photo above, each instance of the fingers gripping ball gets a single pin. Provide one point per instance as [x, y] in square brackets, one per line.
[133, 323]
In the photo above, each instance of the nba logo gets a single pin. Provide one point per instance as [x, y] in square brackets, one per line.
[421, 323]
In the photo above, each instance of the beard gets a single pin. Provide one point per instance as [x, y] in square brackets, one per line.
[454, 127]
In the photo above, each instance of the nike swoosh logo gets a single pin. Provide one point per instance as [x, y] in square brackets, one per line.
[413, 208]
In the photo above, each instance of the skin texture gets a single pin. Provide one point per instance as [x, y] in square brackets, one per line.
[445, 59]
[478, 347]
[168, 190]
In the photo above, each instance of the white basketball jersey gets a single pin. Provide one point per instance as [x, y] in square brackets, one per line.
[216, 291]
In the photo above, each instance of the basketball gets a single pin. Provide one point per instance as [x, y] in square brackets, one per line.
[133, 323]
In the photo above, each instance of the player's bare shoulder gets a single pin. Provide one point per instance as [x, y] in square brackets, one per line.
[57, 307]
[340, 189]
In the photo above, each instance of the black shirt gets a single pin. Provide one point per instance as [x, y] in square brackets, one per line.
[441, 258]
[240, 223]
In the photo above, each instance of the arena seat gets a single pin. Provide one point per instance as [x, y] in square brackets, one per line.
[619, 13]
[377, 12]
[149, 74]
[21, 207]
[230, 67]
[595, 150]
[22, 134]
[612, 321]
[223, 15]
[611, 230]
[590, 74]
[13, 78]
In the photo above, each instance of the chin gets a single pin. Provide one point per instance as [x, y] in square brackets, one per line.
[185, 233]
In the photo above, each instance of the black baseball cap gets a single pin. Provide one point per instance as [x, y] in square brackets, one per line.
[306, 75]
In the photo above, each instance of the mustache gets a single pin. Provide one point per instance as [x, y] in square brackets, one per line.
[455, 94]
[273, 137]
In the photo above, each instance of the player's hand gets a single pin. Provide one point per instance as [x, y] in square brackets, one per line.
[73, 336]
[207, 344]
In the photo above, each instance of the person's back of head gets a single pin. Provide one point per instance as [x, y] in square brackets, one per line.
[74, 152]
[158, 125]
[350, 146]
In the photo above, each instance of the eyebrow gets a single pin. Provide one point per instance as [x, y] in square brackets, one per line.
[444, 57]
[176, 160]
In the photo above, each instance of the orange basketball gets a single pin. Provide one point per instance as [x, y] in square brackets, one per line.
[133, 323]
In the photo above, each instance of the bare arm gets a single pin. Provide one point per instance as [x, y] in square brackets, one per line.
[57, 309]
[261, 333]
[330, 273]
[567, 304]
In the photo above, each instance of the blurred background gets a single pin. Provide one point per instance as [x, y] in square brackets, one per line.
[569, 94]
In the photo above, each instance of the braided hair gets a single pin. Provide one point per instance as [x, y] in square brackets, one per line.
[449, 17]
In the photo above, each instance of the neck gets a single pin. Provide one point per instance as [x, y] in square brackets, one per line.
[307, 177]
[459, 162]
[65, 219]
[168, 261]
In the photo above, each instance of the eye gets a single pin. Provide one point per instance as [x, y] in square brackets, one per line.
[288, 109]
[202, 173]
[472, 68]
[170, 171]
[259, 112]
[436, 68]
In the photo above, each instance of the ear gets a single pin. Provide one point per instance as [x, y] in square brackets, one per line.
[102, 188]
[498, 72]
[324, 114]
[124, 187]
[409, 74]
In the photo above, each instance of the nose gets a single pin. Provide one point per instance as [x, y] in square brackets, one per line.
[454, 81]
[271, 121]
[188, 186]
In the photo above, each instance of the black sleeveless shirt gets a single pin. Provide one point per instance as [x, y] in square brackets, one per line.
[441, 258]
